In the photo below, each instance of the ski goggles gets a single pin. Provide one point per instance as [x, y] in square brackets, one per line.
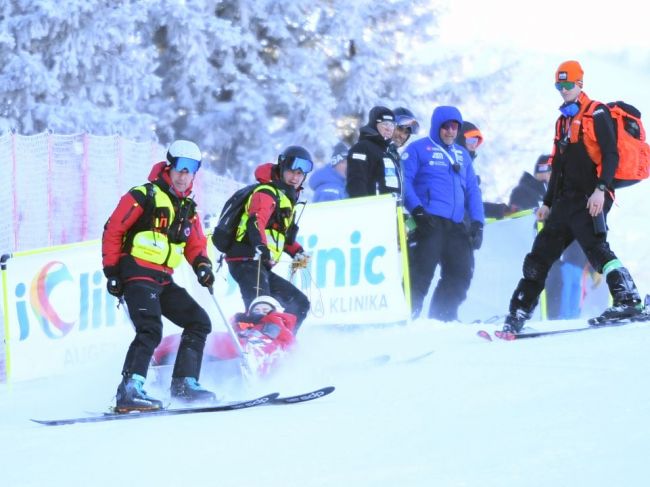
[299, 164]
[186, 164]
[567, 85]
[472, 141]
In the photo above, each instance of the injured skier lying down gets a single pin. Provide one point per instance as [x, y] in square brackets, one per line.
[265, 333]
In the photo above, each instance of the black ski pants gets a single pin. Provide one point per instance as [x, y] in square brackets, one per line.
[444, 242]
[568, 220]
[148, 302]
[256, 280]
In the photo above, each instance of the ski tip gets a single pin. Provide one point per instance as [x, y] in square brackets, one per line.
[505, 335]
[484, 334]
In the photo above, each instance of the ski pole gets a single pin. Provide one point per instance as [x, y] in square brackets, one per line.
[242, 353]
[122, 303]
[258, 258]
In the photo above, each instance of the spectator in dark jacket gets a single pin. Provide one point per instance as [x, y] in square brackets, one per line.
[371, 170]
[328, 182]
[529, 192]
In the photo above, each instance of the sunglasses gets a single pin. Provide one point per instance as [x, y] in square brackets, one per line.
[186, 164]
[387, 124]
[408, 123]
[299, 164]
[567, 85]
[449, 126]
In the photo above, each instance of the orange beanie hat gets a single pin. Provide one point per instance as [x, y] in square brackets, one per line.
[569, 71]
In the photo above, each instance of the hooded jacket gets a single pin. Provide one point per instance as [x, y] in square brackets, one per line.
[126, 222]
[430, 179]
[328, 184]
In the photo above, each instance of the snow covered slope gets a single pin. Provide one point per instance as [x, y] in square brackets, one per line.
[570, 410]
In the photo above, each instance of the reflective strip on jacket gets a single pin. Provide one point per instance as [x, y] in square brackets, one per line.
[153, 244]
[279, 223]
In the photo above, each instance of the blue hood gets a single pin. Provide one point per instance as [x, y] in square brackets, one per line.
[441, 115]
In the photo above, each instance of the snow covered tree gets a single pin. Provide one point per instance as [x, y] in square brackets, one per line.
[76, 65]
[242, 78]
[279, 73]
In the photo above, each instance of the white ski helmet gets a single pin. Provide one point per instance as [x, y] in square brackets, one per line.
[184, 154]
[271, 301]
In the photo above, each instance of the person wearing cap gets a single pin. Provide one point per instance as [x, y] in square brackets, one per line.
[439, 185]
[575, 205]
[405, 125]
[371, 170]
[268, 229]
[264, 331]
[531, 188]
[153, 228]
[471, 138]
[328, 182]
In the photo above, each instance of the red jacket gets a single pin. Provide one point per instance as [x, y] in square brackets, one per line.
[262, 206]
[265, 341]
[126, 215]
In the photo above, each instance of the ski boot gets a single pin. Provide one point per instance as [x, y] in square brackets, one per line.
[619, 312]
[188, 389]
[513, 324]
[627, 301]
[132, 397]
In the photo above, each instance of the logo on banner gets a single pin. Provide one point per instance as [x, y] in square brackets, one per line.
[61, 301]
[349, 265]
[50, 276]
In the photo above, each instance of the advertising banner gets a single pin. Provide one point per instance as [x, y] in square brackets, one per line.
[59, 317]
[355, 275]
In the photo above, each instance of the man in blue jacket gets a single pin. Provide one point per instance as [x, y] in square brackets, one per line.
[439, 184]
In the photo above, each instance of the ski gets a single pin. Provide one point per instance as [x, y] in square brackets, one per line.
[111, 416]
[267, 400]
[509, 336]
[485, 335]
[307, 396]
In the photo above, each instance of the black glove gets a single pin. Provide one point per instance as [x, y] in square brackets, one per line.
[265, 256]
[422, 218]
[476, 235]
[114, 284]
[114, 287]
[203, 270]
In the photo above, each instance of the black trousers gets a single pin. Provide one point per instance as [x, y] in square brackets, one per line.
[568, 220]
[445, 243]
[148, 302]
[247, 273]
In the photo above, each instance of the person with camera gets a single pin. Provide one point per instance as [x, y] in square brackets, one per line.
[153, 228]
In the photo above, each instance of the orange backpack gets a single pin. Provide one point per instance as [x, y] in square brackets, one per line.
[633, 151]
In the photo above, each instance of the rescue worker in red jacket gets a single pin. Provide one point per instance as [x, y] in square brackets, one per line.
[152, 229]
[267, 229]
